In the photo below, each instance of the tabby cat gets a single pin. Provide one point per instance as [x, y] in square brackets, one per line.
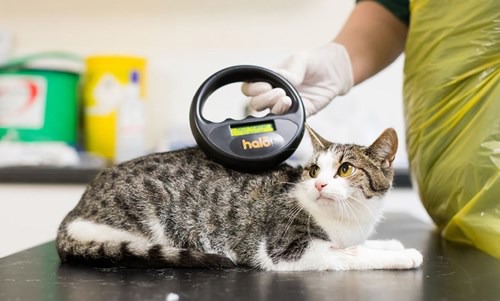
[180, 209]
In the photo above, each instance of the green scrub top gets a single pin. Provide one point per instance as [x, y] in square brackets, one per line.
[400, 8]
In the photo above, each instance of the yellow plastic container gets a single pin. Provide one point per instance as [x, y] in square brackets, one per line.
[109, 82]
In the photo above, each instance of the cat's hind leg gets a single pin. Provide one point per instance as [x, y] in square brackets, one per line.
[85, 242]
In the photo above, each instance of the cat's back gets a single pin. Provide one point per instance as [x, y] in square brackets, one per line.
[184, 178]
[167, 166]
[152, 174]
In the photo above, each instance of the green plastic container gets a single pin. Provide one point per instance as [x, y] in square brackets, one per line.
[38, 104]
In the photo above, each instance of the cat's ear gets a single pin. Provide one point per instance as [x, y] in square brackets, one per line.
[317, 141]
[385, 147]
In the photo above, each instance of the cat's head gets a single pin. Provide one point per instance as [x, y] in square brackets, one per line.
[345, 178]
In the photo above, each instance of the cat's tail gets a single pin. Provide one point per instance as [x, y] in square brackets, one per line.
[94, 249]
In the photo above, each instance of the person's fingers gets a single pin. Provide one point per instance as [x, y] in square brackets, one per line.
[254, 89]
[266, 100]
[282, 105]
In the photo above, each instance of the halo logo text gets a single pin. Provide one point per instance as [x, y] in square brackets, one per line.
[262, 142]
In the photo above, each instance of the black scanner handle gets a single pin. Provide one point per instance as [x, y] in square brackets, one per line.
[215, 143]
[243, 73]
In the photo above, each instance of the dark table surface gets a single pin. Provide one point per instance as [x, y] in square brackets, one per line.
[449, 272]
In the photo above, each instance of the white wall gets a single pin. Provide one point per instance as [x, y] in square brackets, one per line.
[186, 41]
[31, 214]
[155, 27]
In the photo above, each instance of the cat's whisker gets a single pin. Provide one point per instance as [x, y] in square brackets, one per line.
[353, 206]
[341, 213]
[370, 211]
[344, 209]
[291, 183]
[291, 219]
[295, 212]
[309, 227]
[349, 206]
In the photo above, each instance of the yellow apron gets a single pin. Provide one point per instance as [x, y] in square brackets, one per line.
[452, 112]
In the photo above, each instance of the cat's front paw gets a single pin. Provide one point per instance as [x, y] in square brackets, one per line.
[364, 258]
[407, 259]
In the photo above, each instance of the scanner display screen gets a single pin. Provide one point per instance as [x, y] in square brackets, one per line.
[237, 130]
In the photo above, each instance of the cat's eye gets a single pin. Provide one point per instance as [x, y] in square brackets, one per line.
[314, 171]
[346, 170]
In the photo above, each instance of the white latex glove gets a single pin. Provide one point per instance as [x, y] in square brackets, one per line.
[319, 76]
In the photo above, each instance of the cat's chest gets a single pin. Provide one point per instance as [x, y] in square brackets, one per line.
[344, 235]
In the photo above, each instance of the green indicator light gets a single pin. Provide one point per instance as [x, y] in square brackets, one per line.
[252, 129]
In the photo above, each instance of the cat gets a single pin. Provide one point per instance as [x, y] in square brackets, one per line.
[181, 209]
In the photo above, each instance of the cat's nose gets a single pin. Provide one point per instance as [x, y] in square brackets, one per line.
[320, 185]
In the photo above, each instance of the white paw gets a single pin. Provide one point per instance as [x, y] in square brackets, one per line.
[406, 259]
[366, 258]
[415, 256]
[393, 245]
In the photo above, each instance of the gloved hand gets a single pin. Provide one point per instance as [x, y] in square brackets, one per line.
[319, 76]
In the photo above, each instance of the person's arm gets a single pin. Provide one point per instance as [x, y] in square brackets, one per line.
[373, 37]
